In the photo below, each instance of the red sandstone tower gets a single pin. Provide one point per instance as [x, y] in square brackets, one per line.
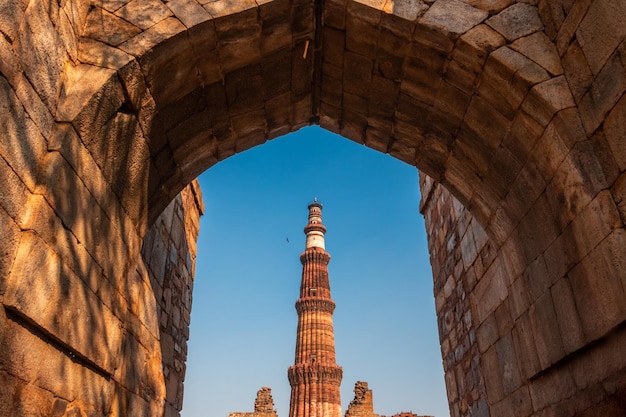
[315, 377]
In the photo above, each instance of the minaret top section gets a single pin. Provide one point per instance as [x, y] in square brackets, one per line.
[315, 230]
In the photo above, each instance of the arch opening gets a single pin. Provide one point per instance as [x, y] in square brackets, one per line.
[379, 293]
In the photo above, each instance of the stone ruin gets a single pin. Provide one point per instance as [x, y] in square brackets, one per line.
[363, 404]
[263, 405]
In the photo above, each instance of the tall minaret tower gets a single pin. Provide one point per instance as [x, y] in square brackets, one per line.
[315, 377]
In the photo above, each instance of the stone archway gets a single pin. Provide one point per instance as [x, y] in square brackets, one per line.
[517, 109]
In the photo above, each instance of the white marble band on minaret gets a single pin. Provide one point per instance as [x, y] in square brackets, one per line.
[315, 230]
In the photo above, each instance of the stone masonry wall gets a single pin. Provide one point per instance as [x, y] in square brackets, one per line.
[144, 323]
[506, 363]
[263, 405]
[169, 252]
[453, 235]
[362, 405]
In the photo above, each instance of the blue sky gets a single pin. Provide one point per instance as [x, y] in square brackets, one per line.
[243, 322]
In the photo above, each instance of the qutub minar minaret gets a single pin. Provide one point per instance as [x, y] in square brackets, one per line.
[315, 378]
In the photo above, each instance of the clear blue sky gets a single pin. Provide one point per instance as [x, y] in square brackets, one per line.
[243, 322]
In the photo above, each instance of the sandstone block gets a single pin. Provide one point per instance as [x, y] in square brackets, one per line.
[42, 364]
[540, 49]
[601, 31]
[600, 296]
[100, 54]
[469, 251]
[605, 91]
[404, 149]
[525, 190]
[90, 329]
[244, 89]
[469, 55]
[523, 337]
[276, 35]
[65, 140]
[22, 146]
[377, 139]
[46, 61]
[11, 234]
[277, 114]
[207, 63]
[302, 18]
[619, 195]
[549, 152]
[487, 333]
[360, 36]
[491, 6]
[452, 17]
[570, 326]
[369, 11]
[552, 14]
[490, 291]
[451, 100]
[518, 403]
[58, 175]
[519, 299]
[420, 85]
[538, 229]
[334, 46]
[189, 12]
[545, 331]
[382, 97]
[353, 126]
[360, 68]
[569, 27]
[32, 401]
[501, 226]
[509, 75]
[144, 13]
[105, 27]
[516, 21]
[226, 8]
[301, 69]
[574, 184]
[491, 371]
[487, 122]
[577, 70]
[548, 98]
[606, 360]
[552, 388]
[507, 359]
[11, 14]
[405, 9]
[613, 130]
[335, 14]
[390, 60]
[148, 39]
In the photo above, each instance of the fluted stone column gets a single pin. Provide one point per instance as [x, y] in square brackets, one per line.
[315, 378]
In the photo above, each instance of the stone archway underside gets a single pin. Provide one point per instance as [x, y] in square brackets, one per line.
[110, 108]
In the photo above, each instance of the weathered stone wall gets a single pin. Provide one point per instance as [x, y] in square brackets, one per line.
[169, 253]
[455, 239]
[104, 352]
[263, 405]
[362, 405]
[536, 350]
